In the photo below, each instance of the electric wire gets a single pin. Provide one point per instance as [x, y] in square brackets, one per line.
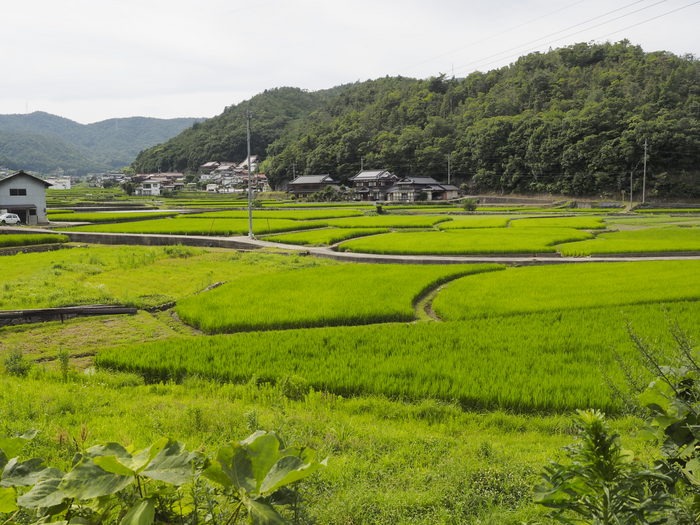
[544, 39]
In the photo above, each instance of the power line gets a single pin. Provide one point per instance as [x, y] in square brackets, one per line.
[543, 39]
[495, 35]
[651, 19]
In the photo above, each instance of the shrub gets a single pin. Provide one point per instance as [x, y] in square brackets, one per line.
[16, 364]
[470, 204]
[603, 483]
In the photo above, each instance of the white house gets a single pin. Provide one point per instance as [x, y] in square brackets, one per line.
[59, 183]
[24, 195]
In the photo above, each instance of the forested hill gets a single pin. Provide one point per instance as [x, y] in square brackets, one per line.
[43, 142]
[571, 121]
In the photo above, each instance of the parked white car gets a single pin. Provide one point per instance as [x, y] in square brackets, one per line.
[9, 218]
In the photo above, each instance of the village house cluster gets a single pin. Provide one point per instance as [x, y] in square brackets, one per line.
[214, 177]
[377, 185]
[25, 194]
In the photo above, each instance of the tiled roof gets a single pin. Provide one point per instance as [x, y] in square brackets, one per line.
[313, 179]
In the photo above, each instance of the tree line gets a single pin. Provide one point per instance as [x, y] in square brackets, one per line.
[570, 121]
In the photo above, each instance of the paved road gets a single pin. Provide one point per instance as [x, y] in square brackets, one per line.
[244, 242]
[439, 259]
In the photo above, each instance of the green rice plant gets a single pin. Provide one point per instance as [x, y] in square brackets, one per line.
[667, 210]
[650, 240]
[551, 361]
[108, 216]
[578, 223]
[142, 276]
[322, 295]
[190, 226]
[292, 214]
[467, 241]
[495, 208]
[371, 441]
[568, 287]
[388, 221]
[340, 204]
[27, 239]
[423, 208]
[618, 222]
[324, 236]
[475, 221]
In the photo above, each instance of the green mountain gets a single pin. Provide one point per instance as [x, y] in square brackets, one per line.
[43, 142]
[570, 121]
[273, 113]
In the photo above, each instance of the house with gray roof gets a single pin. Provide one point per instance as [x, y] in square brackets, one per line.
[371, 185]
[411, 189]
[306, 185]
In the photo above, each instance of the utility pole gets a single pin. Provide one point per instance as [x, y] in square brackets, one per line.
[250, 179]
[644, 179]
[449, 166]
[631, 173]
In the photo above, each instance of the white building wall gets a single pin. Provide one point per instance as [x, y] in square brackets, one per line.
[27, 193]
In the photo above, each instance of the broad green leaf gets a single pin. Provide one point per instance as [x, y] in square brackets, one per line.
[172, 464]
[215, 473]
[140, 460]
[113, 465]
[8, 502]
[262, 513]
[289, 469]
[45, 493]
[87, 480]
[692, 471]
[114, 458]
[12, 447]
[108, 449]
[22, 474]
[236, 465]
[263, 451]
[142, 513]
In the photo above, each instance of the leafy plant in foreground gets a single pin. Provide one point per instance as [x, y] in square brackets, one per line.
[255, 472]
[603, 483]
[673, 401]
[161, 483]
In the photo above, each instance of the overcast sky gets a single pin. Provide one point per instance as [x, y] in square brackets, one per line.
[90, 60]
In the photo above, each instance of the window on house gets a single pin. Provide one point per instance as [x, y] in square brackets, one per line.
[18, 191]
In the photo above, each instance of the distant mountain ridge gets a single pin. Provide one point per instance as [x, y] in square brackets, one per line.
[45, 143]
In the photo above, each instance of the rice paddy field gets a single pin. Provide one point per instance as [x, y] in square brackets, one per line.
[140, 276]
[29, 239]
[574, 234]
[185, 225]
[467, 241]
[669, 239]
[72, 216]
[323, 236]
[569, 287]
[322, 295]
[545, 362]
[438, 392]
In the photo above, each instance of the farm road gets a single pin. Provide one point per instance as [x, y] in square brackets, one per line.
[243, 242]
[536, 259]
